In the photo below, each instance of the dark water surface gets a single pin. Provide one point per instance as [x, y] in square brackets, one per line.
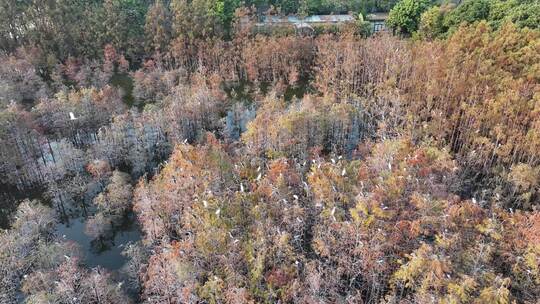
[9, 196]
[104, 252]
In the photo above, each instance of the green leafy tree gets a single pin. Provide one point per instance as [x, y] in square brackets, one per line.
[198, 19]
[124, 22]
[431, 23]
[228, 13]
[447, 18]
[470, 11]
[523, 13]
[405, 16]
[62, 28]
[11, 24]
[363, 27]
[158, 27]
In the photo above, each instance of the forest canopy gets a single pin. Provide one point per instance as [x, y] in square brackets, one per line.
[176, 152]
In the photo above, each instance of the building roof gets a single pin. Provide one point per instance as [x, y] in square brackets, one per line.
[309, 19]
[377, 16]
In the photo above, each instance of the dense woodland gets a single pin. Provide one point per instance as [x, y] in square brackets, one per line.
[266, 166]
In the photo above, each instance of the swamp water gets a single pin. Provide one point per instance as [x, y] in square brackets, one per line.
[105, 252]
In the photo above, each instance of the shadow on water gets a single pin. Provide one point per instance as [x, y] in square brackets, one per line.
[105, 252]
[245, 91]
[10, 197]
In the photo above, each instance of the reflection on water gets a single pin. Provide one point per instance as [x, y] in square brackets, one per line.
[104, 252]
[9, 198]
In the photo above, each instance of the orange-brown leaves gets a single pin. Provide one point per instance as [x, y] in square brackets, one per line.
[98, 168]
[278, 277]
[269, 59]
